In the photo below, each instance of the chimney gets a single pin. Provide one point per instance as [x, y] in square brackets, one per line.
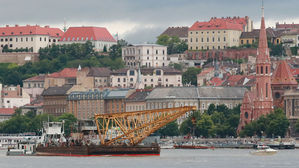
[19, 90]
[7, 25]
[47, 26]
[16, 25]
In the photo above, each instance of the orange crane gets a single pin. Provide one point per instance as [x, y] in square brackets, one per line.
[133, 127]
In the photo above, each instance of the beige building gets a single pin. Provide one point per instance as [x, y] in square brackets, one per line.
[63, 77]
[291, 108]
[94, 77]
[229, 96]
[218, 33]
[146, 77]
[85, 104]
[34, 86]
[290, 39]
[136, 101]
[31, 38]
[13, 96]
[145, 55]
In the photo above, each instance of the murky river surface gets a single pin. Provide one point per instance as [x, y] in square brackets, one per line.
[172, 158]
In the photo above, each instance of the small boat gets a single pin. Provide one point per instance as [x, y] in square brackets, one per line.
[193, 146]
[263, 150]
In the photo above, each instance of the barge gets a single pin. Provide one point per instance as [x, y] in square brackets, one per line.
[99, 150]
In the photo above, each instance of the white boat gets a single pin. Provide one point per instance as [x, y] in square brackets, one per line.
[263, 150]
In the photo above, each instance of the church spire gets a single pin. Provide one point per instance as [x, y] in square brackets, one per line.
[263, 13]
[263, 51]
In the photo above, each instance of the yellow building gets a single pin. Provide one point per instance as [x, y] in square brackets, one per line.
[218, 33]
[274, 36]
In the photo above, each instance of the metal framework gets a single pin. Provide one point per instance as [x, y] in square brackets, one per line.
[133, 127]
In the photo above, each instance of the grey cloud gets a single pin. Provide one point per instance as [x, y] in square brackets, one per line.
[162, 13]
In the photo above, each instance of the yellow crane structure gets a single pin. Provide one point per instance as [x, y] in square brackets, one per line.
[133, 127]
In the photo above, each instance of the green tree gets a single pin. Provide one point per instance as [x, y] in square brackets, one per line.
[190, 76]
[176, 66]
[205, 126]
[115, 50]
[211, 109]
[174, 44]
[171, 129]
[105, 49]
[69, 121]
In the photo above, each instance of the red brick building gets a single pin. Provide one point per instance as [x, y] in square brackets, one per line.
[259, 101]
[282, 80]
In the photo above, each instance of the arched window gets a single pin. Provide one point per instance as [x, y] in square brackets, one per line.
[257, 90]
[262, 70]
[266, 89]
[246, 115]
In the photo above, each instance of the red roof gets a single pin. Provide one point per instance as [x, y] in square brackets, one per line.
[7, 111]
[215, 81]
[283, 74]
[220, 24]
[87, 33]
[234, 79]
[36, 78]
[206, 71]
[65, 73]
[30, 30]
[295, 71]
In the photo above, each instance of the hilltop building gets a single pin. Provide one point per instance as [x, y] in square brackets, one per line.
[180, 32]
[28, 37]
[99, 36]
[217, 33]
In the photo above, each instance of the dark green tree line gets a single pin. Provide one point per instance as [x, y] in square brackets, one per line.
[57, 57]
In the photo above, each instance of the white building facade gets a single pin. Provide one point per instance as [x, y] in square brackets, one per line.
[149, 77]
[13, 96]
[145, 55]
[31, 38]
[98, 36]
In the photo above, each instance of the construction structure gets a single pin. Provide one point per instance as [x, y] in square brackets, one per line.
[132, 127]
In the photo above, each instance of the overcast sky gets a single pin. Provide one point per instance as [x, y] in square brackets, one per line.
[139, 21]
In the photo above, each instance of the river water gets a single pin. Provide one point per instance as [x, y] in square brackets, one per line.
[169, 158]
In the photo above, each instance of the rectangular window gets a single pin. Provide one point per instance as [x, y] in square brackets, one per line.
[147, 51]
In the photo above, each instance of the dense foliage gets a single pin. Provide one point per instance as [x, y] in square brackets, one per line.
[174, 44]
[171, 129]
[57, 57]
[190, 76]
[217, 121]
[33, 123]
[274, 124]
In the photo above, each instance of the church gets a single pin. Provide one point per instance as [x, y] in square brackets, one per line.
[259, 100]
